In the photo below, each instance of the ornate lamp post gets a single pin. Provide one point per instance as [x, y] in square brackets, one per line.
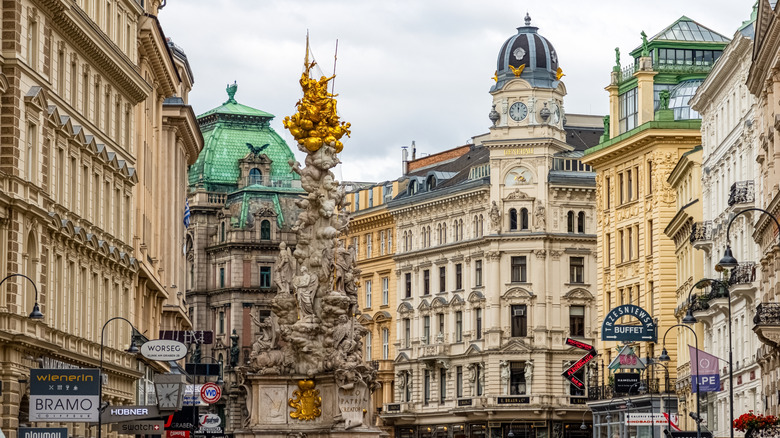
[730, 262]
[132, 349]
[651, 362]
[665, 358]
[36, 311]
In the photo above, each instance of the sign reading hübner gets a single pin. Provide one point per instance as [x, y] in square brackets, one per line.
[64, 395]
[118, 414]
[629, 333]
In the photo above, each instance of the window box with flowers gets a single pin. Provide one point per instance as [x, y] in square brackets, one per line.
[756, 426]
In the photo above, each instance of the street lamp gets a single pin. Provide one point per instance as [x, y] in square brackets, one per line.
[651, 362]
[729, 261]
[36, 311]
[219, 381]
[629, 405]
[690, 319]
[665, 358]
[583, 427]
[133, 349]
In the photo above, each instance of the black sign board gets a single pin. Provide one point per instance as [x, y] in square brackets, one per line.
[511, 400]
[189, 336]
[568, 373]
[625, 382]
[394, 407]
[464, 402]
[690, 434]
[645, 331]
[185, 419]
[43, 432]
[577, 400]
[203, 369]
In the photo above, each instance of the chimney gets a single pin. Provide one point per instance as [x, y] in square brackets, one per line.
[414, 151]
[404, 160]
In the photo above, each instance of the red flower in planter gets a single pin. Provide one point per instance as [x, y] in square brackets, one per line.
[750, 421]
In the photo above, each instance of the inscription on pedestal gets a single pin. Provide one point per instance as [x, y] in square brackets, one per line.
[351, 404]
[271, 407]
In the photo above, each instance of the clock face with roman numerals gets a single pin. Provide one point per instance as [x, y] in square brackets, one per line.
[518, 111]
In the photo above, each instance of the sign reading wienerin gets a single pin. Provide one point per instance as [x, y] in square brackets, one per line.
[64, 395]
[630, 333]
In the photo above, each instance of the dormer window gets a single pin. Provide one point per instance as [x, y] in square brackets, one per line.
[255, 176]
[430, 183]
[265, 230]
[412, 187]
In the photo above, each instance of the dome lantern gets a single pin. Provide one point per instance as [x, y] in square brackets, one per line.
[528, 55]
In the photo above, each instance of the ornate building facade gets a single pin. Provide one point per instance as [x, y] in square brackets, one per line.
[650, 127]
[73, 75]
[729, 162]
[482, 239]
[763, 83]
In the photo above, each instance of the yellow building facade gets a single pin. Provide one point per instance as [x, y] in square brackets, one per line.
[372, 233]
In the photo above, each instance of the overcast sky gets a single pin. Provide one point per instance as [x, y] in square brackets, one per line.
[410, 69]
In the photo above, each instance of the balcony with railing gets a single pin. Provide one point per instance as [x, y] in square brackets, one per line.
[744, 273]
[652, 386]
[701, 234]
[767, 323]
[742, 193]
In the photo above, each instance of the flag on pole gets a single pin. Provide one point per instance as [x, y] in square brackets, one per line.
[186, 213]
[704, 371]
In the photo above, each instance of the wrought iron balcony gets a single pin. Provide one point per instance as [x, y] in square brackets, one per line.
[742, 192]
[744, 273]
[701, 231]
[767, 323]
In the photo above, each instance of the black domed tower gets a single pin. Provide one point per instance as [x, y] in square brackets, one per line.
[528, 92]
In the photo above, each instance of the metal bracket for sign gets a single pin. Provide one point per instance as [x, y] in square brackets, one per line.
[569, 372]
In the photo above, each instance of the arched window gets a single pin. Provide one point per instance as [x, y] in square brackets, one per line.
[265, 230]
[222, 232]
[460, 226]
[523, 218]
[444, 231]
[32, 268]
[475, 228]
[428, 230]
[406, 248]
[455, 230]
[481, 226]
[430, 183]
[512, 219]
[255, 176]
[581, 222]
[438, 232]
[570, 222]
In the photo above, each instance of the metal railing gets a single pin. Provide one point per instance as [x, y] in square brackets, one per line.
[744, 273]
[701, 67]
[269, 181]
[701, 231]
[767, 314]
[742, 192]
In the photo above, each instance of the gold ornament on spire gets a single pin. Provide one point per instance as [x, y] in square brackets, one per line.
[517, 71]
[316, 122]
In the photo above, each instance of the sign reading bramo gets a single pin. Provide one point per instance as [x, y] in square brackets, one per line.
[645, 331]
[61, 395]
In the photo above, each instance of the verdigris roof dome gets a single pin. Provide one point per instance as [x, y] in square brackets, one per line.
[531, 52]
[227, 131]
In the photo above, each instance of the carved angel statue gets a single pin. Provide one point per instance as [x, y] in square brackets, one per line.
[305, 286]
[495, 215]
[284, 269]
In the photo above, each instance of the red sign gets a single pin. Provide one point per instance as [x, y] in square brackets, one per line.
[569, 372]
[177, 434]
[210, 393]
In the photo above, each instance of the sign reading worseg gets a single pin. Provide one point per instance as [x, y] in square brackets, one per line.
[64, 395]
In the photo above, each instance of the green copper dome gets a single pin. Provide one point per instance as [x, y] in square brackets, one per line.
[228, 130]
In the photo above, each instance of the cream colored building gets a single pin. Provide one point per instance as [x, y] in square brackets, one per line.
[729, 141]
[496, 266]
[763, 84]
[68, 178]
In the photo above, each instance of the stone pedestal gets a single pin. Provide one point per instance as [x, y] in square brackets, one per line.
[343, 412]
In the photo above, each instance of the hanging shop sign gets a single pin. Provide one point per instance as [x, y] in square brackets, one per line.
[43, 432]
[644, 331]
[568, 374]
[625, 382]
[163, 349]
[627, 360]
[64, 395]
[189, 336]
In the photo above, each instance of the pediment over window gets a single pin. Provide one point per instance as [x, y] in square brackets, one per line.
[515, 346]
[438, 303]
[578, 294]
[476, 297]
[405, 308]
[518, 292]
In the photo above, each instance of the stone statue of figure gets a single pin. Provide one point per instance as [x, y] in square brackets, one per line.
[505, 376]
[195, 356]
[663, 97]
[473, 379]
[268, 333]
[234, 350]
[645, 48]
[495, 215]
[284, 269]
[305, 286]
[606, 125]
[342, 263]
[617, 57]
[529, 373]
[539, 214]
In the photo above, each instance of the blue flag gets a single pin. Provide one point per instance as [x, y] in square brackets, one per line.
[186, 213]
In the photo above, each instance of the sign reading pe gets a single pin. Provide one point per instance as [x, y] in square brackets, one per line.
[64, 395]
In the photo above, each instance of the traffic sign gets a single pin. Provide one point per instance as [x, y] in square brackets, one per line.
[139, 427]
[163, 349]
[210, 393]
[64, 395]
[569, 372]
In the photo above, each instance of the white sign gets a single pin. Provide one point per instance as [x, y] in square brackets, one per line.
[163, 349]
[209, 421]
[192, 396]
[60, 408]
[210, 393]
[655, 419]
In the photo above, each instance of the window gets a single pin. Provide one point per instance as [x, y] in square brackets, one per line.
[222, 322]
[517, 378]
[523, 218]
[265, 230]
[408, 278]
[627, 103]
[519, 321]
[221, 277]
[265, 276]
[442, 279]
[370, 197]
[459, 381]
[381, 243]
[255, 176]
[478, 317]
[222, 232]
[408, 393]
[389, 241]
[519, 269]
[649, 237]
[458, 276]
[512, 219]
[32, 152]
[441, 324]
[357, 201]
[607, 192]
[577, 320]
[368, 293]
[356, 245]
[426, 387]
[32, 43]
[368, 245]
[385, 344]
[608, 250]
[442, 385]
[630, 186]
[478, 273]
[581, 222]
[649, 177]
[368, 346]
[620, 188]
[407, 332]
[385, 291]
[426, 282]
[459, 326]
[426, 330]
[622, 247]
[576, 269]
[570, 222]
[636, 182]
[478, 373]
[630, 243]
